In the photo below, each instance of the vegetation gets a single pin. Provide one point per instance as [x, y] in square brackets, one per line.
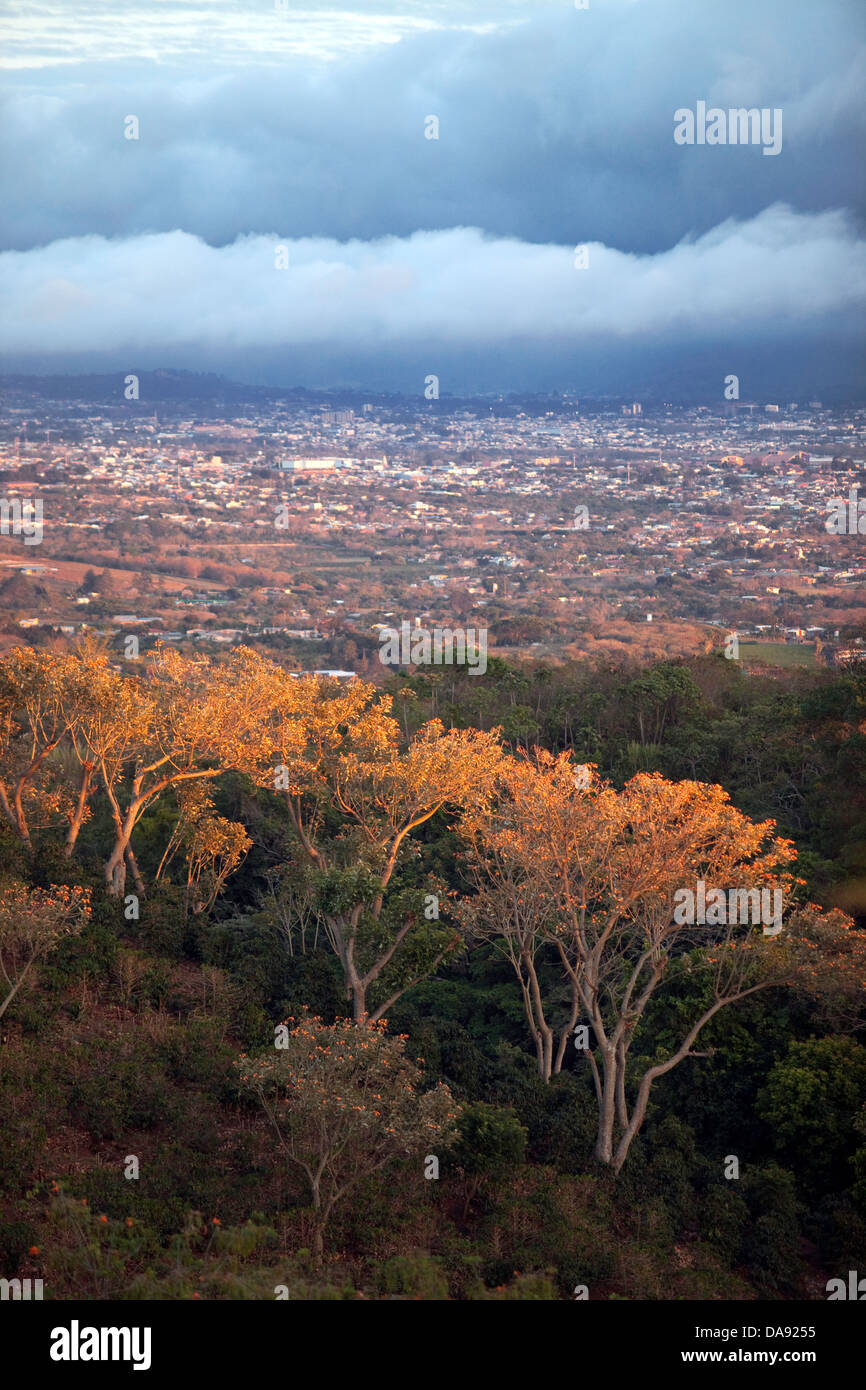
[315, 990]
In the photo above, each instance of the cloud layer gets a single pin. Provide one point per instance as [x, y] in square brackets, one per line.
[555, 128]
[782, 269]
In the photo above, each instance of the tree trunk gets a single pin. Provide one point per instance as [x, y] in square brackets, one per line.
[115, 875]
[320, 1219]
[80, 808]
[533, 1006]
[607, 1109]
[132, 866]
[547, 1052]
[621, 1107]
[115, 865]
[20, 816]
[4, 804]
[359, 1001]
[15, 988]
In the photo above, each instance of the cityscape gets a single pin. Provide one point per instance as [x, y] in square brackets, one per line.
[564, 529]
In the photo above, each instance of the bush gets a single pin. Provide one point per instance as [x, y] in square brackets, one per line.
[490, 1142]
[839, 1230]
[16, 1238]
[527, 1288]
[771, 1245]
[724, 1217]
[413, 1276]
[122, 1093]
[811, 1102]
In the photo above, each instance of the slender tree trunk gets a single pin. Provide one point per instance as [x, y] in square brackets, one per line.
[114, 869]
[4, 804]
[342, 934]
[15, 988]
[535, 1012]
[568, 1030]
[115, 865]
[80, 808]
[125, 823]
[547, 1052]
[607, 1108]
[359, 1001]
[132, 866]
[321, 1217]
[652, 1074]
[621, 1107]
[20, 815]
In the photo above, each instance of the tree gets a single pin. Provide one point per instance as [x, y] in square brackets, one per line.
[344, 1101]
[511, 910]
[490, 1145]
[811, 1100]
[32, 922]
[184, 720]
[35, 715]
[354, 797]
[215, 847]
[658, 696]
[610, 868]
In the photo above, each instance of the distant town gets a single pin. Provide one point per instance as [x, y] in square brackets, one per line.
[306, 524]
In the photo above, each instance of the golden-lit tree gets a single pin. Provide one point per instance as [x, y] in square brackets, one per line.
[35, 715]
[184, 719]
[512, 909]
[214, 847]
[598, 875]
[355, 796]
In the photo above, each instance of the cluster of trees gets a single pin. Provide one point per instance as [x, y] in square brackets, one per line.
[573, 878]
[782, 745]
[72, 726]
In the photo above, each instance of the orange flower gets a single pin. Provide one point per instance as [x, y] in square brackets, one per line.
[215, 1221]
[104, 1220]
[34, 1250]
[129, 1221]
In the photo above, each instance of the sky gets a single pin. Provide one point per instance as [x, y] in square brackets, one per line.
[283, 216]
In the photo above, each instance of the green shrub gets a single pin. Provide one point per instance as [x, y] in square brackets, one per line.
[771, 1243]
[724, 1217]
[526, 1288]
[414, 1276]
[16, 1238]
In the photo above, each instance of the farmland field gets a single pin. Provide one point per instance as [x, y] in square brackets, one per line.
[779, 653]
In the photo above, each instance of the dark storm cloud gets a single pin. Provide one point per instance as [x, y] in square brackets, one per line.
[556, 129]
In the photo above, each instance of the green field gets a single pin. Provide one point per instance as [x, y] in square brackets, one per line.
[778, 653]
